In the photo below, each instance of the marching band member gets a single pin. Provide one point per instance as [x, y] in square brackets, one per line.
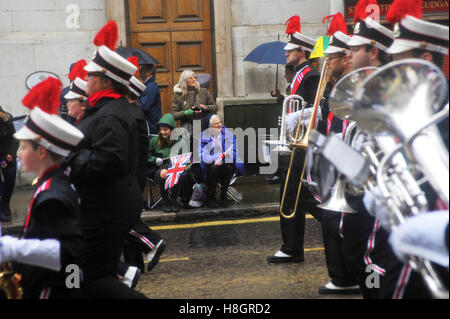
[414, 38]
[52, 236]
[305, 84]
[142, 240]
[364, 243]
[343, 280]
[77, 97]
[103, 167]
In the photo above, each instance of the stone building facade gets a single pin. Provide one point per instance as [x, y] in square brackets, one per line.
[49, 35]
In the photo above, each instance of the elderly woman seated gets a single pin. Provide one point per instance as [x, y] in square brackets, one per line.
[219, 160]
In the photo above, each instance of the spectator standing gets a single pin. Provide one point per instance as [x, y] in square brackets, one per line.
[8, 150]
[150, 100]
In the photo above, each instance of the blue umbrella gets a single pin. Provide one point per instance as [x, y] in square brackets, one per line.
[268, 53]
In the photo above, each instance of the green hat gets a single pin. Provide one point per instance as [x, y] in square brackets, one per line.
[167, 121]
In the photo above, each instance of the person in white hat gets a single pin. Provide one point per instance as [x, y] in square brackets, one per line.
[103, 168]
[414, 38]
[142, 240]
[52, 237]
[77, 97]
[305, 84]
[369, 44]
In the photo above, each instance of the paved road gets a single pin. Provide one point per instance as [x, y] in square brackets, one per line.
[227, 260]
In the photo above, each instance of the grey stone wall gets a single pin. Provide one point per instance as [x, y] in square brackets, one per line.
[34, 36]
[258, 21]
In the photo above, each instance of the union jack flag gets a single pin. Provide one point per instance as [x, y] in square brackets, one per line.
[176, 168]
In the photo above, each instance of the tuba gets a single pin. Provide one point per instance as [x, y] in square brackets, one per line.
[340, 102]
[402, 100]
[288, 205]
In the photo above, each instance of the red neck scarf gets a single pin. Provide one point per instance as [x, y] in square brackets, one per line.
[94, 98]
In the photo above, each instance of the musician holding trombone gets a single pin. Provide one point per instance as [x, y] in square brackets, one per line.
[305, 84]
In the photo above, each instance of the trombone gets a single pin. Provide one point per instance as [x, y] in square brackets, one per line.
[286, 209]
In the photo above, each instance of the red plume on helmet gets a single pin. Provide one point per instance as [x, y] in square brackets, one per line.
[78, 71]
[361, 9]
[135, 62]
[108, 36]
[401, 8]
[45, 95]
[293, 25]
[337, 24]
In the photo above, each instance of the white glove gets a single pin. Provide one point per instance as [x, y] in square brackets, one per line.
[373, 202]
[422, 236]
[159, 162]
[361, 141]
[42, 253]
[293, 118]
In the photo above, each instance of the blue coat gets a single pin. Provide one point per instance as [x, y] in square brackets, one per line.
[150, 102]
[209, 152]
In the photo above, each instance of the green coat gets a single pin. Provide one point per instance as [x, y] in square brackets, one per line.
[193, 98]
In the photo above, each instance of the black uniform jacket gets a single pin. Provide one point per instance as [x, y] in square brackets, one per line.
[104, 163]
[308, 88]
[55, 214]
[143, 141]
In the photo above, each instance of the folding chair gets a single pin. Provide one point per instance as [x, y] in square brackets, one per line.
[152, 203]
[235, 195]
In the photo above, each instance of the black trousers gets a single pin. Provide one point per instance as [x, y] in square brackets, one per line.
[104, 242]
[219, 174]
[336, 260]
[293, 229]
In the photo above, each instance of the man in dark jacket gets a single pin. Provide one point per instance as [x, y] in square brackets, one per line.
[8, 150]
[104, 169]
[150, 100]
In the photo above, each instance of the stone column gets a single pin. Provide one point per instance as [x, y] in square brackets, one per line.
[115, 10]
[224, 61]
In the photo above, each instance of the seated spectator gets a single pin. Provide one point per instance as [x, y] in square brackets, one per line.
[219, 160]
[159, 154]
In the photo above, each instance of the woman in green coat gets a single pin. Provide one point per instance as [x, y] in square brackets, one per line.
[159, 154]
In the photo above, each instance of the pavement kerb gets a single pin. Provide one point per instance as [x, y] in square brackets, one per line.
[202, 214]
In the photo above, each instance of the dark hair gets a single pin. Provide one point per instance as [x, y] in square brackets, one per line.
[148, 68]
[437, 58]
[383, 57]
[307, 53]
[118, 87]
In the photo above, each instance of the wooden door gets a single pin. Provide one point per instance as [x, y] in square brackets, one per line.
[178, 34]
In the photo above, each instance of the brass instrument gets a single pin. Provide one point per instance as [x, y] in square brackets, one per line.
[9, 283]
[401, 100]
[341, 104]
[291, 104]
[286, 209]
[336, 201]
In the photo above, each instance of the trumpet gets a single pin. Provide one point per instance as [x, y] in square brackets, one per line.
[288, 206]
[412, 153]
